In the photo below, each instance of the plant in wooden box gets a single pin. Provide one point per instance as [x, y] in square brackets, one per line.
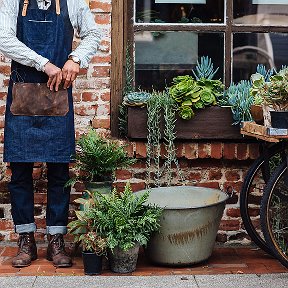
[126, 222]
[93, 245]
[191, 94]
[97, 159]
[275, 95]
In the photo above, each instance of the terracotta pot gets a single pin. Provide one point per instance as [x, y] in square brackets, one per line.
[257, 114]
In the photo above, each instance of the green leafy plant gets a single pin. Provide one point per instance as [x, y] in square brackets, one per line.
[97, 158]
[273, 92]
[239, 98]
[84, 232]
[124, 218]
[191, 94]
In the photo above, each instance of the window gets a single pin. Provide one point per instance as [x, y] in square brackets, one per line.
[169, 36]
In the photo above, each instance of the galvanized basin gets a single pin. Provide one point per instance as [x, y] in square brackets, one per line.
[189, 224]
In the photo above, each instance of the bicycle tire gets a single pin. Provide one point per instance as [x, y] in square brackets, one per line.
[256, 168]
[274, 214]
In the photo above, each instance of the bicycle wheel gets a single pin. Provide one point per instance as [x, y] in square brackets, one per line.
[252, 191]
[274, 213]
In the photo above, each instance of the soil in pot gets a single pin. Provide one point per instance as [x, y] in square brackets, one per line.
[92, 263]
[123, 261]
[279, 119]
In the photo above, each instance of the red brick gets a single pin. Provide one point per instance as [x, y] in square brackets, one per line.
[101, 59]
[100, 6]
[229, 151]
[229, 225]
[40, 198]
[194, 176]
[253, 150]
[233, 212]
[215, 174]
[89, 96]
[6, 224]
[204, 150]
[242, 151]
[179, 149]
[101, 123]
[5, 70]
[103, 19]
[3, 95]
[222, 238]
[216, 150]
[123, 174]
[129, 148]
[214, 185]
[105, 96]
[232, 175]
[76, 96]
[85, 110]
[141, 150]
[101, 71]
[191, 150]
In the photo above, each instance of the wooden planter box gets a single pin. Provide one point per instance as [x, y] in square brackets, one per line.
[209, 123]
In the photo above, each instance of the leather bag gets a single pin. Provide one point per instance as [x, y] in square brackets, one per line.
[36, 99]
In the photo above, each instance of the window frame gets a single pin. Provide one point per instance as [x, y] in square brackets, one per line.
[123, 18]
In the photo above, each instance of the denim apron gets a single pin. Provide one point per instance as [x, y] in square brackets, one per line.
[41, 138]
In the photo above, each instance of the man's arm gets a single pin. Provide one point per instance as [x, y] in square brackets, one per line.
[10, 46]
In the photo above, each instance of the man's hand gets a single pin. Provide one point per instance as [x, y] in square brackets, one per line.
[55, 76]
[69, 73]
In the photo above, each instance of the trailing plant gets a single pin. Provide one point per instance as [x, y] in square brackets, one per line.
[124, 218]
[204, 69]
[97, 158]
[128, 88]
[239, 98]
[159, 103]
[273, 92]
[191, 94]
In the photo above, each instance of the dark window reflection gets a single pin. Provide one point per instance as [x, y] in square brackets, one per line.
[251, 49]
[155, 67]
[148, 11]
[245, 12]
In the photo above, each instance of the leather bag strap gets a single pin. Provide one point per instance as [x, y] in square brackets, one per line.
[25, 6]
[58, 7]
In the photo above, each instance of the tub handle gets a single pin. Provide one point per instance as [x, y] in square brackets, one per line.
[230, 191]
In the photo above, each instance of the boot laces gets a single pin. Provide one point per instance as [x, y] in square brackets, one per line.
[57, 242]
[24, 243]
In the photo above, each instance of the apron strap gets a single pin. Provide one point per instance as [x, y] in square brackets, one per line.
[25, 6]
[26, 3]
[58, 7]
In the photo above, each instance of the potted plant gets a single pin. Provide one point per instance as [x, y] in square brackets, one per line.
[97, 158]
[127, 223]
[93, 245]
[275, 95]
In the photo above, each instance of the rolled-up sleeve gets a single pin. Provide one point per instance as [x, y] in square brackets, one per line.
[10, 46]
[83, 21]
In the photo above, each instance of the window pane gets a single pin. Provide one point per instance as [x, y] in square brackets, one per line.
[251, 49]
[183, 11]
[161, 56]
[261, 12]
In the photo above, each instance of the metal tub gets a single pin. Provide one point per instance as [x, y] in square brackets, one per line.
[189, 224]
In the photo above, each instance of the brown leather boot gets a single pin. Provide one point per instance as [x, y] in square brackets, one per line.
[27, 250]
[56, 251]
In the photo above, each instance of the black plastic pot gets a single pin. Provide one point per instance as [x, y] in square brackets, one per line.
[279, 119]
[92, 263]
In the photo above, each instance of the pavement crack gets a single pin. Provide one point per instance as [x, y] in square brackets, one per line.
[194, 276]
[34, 282]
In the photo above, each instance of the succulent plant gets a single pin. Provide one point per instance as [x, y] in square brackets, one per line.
[139, 98]
[204, 69]
[238, 96]
[261, 69]
[191, 94]
[273, 92]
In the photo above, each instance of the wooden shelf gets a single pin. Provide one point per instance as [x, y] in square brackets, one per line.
[268, 134]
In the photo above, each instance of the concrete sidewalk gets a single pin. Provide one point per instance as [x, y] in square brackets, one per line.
[181, 281]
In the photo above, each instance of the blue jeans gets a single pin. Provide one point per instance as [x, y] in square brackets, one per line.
[22, 197]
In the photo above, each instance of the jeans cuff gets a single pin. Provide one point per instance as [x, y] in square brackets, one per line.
[25, 228]
[52, 230]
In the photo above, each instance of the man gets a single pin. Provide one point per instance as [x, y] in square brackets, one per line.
[37, 35]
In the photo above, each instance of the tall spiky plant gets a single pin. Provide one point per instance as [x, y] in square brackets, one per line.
[204, 69]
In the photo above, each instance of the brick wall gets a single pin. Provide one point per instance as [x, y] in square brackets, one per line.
[207, 164]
